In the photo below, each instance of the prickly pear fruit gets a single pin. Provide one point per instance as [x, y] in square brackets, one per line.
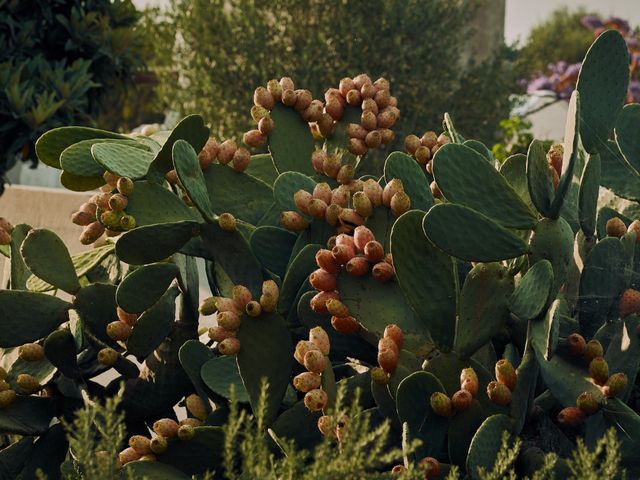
[306, 381]
[616, 384]
[400, 203]
[316, 400]
[394, 332]
[431, 467]
[319, 301]
[268, 302]
[265, 126]
[357, 266]
[28, 383]
[218, 334]
[382, 271]
[343, 253]
[293, 221]
[186, 432]
[326, 426]
[394, 186]
[361, 236]
[350, 219]
[441, 404]
[588, 403]
[263, 98]
[241, 158]
[499, 393]
[629, 303]
[345, 325]
[469, 381]
[166, 427]
[241, 295]
[388, 360]
[7, 397]
[229, 346]
[78, 218]
[302, 199]
[227, 222]
[411, 144]
[362, 204]
[302, 348]
[506, 374]
[398, 470]
[127, 222]
[379, 376]
[320, 339]
[196, 406]
[373, 191]
[253, 138]
[461, 400]
[140, 444]
[107, 357]
[317, 209]
[635, 227]
[158, 445]
[331, 166]
[118, 202]
[91, 233]
[31, 352]
[228, 320]
[576, 344]
[593, 350]
[374, 251]
[326, 261]
[345, 174]
[387, 343]
[337, 308]
[128, 318]
[571, 417]
[128, 455]
[194, 422]
[616, 227]
[118, 331]
[4, 386]
[423, 155]
[314, 361]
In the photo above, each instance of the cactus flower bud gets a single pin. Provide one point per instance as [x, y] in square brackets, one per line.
[629, 303]
[229, 346]
[118, 331]
[593, 350]
[336, 308]
[599, 370]
[616, 384]
[107, 357]
[388, 360]
[140, 444]
[158, 445]
[7, 397]
[28, 383]
[316, 400]
[499, 393]
[306, 381]
[576, 344]
[391, 188]
[571, 417]
[302, 348]
[320, 339]
[345, 325]
[227, 222]
[218, 334]
[588, 403]
[374, 251]
[469, 381]
[382, 272]
[293, 221]
[253, 309]
[441, 404]
[357, 266]
[31, 352]
[314, 361]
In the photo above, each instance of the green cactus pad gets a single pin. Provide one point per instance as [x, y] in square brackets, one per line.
[200, 454]
[262, 168]
[539, 178]
[232, 252]
[481, 148]
[486, 191]
[193, 355]
[299, 425]
[380, 223]
[531, 295]
[155, 470]
[627, 134]
[42, 370]
[545, 334]
[287, 184]
[272, 247]
[48, 258]
[150, 203]
[193, 130]
[617, 175]
[153, 243]
[220, 374]
[514, 170]
[462, 428]
[402, 166]
[338, 140]
[412, 403]
[602, 84]
[14, 456]
[433, 297]
[245, 197]
[627, 423]
[28, 415]
[484, 306]
[553, 240]
[265, 352]
[77, 160]
[290, 142]
[486, 443]
[50, 145]
[328, 384]
[523, 394]
[153, 326]
[601, 283]
[96, 305]
[20, 274]
[604, 215]
[29, 316]
[588, 196]
[385, 403]
[298, 271]
[623, 352]
[144, 286]
[60, 349]
[185, 161]
[122, 160]
[76, 183]
[469, 235]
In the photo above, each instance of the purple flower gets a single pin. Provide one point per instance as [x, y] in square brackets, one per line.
[591, 21]
[573, 70]
[618, 23]
[540, 83]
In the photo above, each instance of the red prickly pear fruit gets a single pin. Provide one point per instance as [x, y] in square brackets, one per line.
[227, 222]
[268, 302]
[390, 189]
[616, 384]
[443, 139]
[194, 422]
[394, 332]
[379, 376]
[218, 334]
[320, 339]
[629, 303]
[344, 239]
[332, 215]
[128, 455]
[229, 346]
[571, 417]
[469, 381]
[343, 253]
[275, 89]
[269, 287]
[228, 320]
[400, 203]
[431, 467]
[313, 112]
[326, 426]
[240, 295]
[263, 98]
[367, 91]
[373, 139]
[315, 400]
[336, 308]
[382, 98]
[368, 120]
[588, 403]
[357, 147]
[350, 219]
[293, 221]
[302, 199]
[353, 97]
[593, 349]
[345, 86]
[386, 118]
[319, 301]
[499, 393]
[356, 131]
[326, 261]
[388, 343]
[166, 427]
[286, 83]
[360, 80]
[91, 233]
[28, 383]
[253, 309]
[224, 304]
[302, 348]
[227, 150]
[88, 207]
[599, 370]
[345, 325]
[7, 397]
[289, 97]
[398, 470]
[306, 381]
[411, 144]
[78, 218]
[506, 374]
[158, 445]
[635, 227]
[616, 227]
[576, 344]
[429, 139]
[241, 159]
[382, 84]
[386, 135]
[6, 225]
[303, 100]
[128, 318]
[345, 174]
[323, 281]
[322, 191]
[140, 444]
[186, 432]
[317, 209]
[373, 191]
[111, 179]
[361, 236]
[118, 331]
[382, 272]
[253, 138]
[435, 190]
[461, 400]
[388, 360]
[334, 108]
[211, 147]
[102, 201]
[374, 251]
[423, 155]
[108, 357]
[554, 158]
[441, 404]
[340, 196]
[362, 205]
[31, 352]
[314, 361]
[318, 158]
[357, 266]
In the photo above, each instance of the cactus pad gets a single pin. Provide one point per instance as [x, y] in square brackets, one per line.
[485, 445]
[402, 166]
[531, 295]
[588, 196]
[185, 161]
[221, 373]
[144, 286]
[290, 142]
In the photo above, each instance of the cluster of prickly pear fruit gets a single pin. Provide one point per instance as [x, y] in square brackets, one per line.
[5, 231]
[313, 355]
[425, 147]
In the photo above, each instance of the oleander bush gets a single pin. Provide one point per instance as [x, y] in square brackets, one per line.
[405, 325]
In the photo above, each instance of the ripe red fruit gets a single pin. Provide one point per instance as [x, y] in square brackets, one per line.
[391, 188]
[319, 302]
[326, 261]
[469, 380]
[229, 346]
[226, 151]
[616, 227]
[253, 308]
[629, 303]
[241, 159]
[345, 325]
[263, 98]
[253, 138]
[499, 393]
[322, 280]
[340, 196]
[431, 466]
[218, 334]
[141, 444]
[394, 332]
[286, 83]
[240, 295]
[374, 251]
[306, 381]
[293, 221]
[571, 417]
[166, 427]
[320, 339]
[343, 253]
[506, 374]
[357, 266]
[368, 120]
[388, 360]
[118, 331]
[314, 361]
[382, 272]
[303, 99]
[461, 400]
[361, 236]
[576, 344]
[316, 400]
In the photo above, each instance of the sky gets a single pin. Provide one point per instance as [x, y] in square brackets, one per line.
[524, 14]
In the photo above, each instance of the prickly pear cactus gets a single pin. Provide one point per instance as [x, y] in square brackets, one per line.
[463, 295]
